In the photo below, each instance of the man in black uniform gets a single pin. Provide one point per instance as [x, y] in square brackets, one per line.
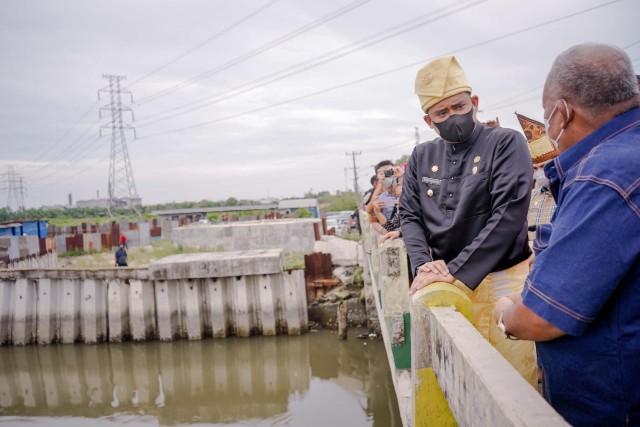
[464, 203]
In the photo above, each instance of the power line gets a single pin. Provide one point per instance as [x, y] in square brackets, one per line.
[205, 42]
[66, 152]
[263, 48]
[382, 73]
[513, 100]
[48, 148]
[322, 59]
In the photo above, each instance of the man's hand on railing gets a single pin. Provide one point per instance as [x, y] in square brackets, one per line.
[436, 267]
[424, 278]
[391, 235]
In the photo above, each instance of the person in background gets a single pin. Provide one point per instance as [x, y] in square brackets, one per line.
[123, 241]
[542, 206]
[121, 256]
[581, 302]
[464, 204]
[383, 201]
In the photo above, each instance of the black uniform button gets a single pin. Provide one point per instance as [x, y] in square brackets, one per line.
[450, 195]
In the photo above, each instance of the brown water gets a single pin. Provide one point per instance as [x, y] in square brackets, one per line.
[312, 380]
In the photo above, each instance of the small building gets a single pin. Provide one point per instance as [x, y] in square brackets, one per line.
[289, 207]
[25, 228]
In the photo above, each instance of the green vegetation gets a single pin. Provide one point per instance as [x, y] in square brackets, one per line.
[293, 261]
[303, 213]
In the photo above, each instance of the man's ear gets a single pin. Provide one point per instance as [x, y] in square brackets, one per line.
[475, 101]
[427, 120]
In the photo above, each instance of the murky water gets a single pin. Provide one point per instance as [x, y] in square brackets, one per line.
[312, 380]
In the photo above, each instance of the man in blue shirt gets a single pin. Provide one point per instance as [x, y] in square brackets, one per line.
[581, 301]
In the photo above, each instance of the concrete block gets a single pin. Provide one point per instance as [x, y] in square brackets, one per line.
[141, 310]
[267, 304]
[291, 301]
[214, 290]
[292, 235]
[24, 314]
[93, 311]
[393, 276]
[70, 311]
[217, 264]
[118, 310]
[242, 306]
[47, 309]
[7, 288]
[168, 310]
[482, 388]
[193, 321]
[343, 252]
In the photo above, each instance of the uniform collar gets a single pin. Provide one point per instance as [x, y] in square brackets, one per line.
[557, 170]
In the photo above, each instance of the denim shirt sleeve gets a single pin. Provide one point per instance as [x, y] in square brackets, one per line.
[593, 245]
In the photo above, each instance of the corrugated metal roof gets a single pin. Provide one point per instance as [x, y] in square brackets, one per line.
[298, 203]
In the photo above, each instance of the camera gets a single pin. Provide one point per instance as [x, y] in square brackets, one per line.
[388, 173]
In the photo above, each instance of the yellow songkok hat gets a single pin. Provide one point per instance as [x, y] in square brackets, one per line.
[540, 146]
[440, 79]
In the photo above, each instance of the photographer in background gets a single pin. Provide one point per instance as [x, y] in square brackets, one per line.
[383, 207]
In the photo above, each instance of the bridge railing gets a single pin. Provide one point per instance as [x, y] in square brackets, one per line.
[445, 373]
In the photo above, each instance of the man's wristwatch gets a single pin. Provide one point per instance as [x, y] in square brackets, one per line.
[503, 328]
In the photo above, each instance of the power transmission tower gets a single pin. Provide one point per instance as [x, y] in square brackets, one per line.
[353, 155]
[15, 190]
[417, 135]
[121, 188]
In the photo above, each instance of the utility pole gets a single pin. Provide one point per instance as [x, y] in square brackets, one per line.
[353, 155]
[121, 187]
[417, 135]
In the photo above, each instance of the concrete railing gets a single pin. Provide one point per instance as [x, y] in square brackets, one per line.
[451, 375]
[184, 296]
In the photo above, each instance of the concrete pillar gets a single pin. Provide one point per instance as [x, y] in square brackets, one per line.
[292, 314]
[47, 309]
[70, 311]
[6, 310]
[215, 297]
[193, 321]
[141, 310]
[93, 311]
[242, 312]
[167, 312]
[118, 310]
[266, 302]
[24, 315]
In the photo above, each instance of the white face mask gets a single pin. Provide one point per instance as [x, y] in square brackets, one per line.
[540, 178]
[555, 141]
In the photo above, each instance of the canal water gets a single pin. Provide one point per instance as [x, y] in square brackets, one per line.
[310, 380]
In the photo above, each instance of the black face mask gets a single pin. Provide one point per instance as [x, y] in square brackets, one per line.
[457, 128]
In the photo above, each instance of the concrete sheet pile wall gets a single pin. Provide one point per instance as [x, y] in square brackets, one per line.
[292, 235]
[186, 296]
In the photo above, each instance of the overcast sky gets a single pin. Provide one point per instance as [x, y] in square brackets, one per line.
[54, 53]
